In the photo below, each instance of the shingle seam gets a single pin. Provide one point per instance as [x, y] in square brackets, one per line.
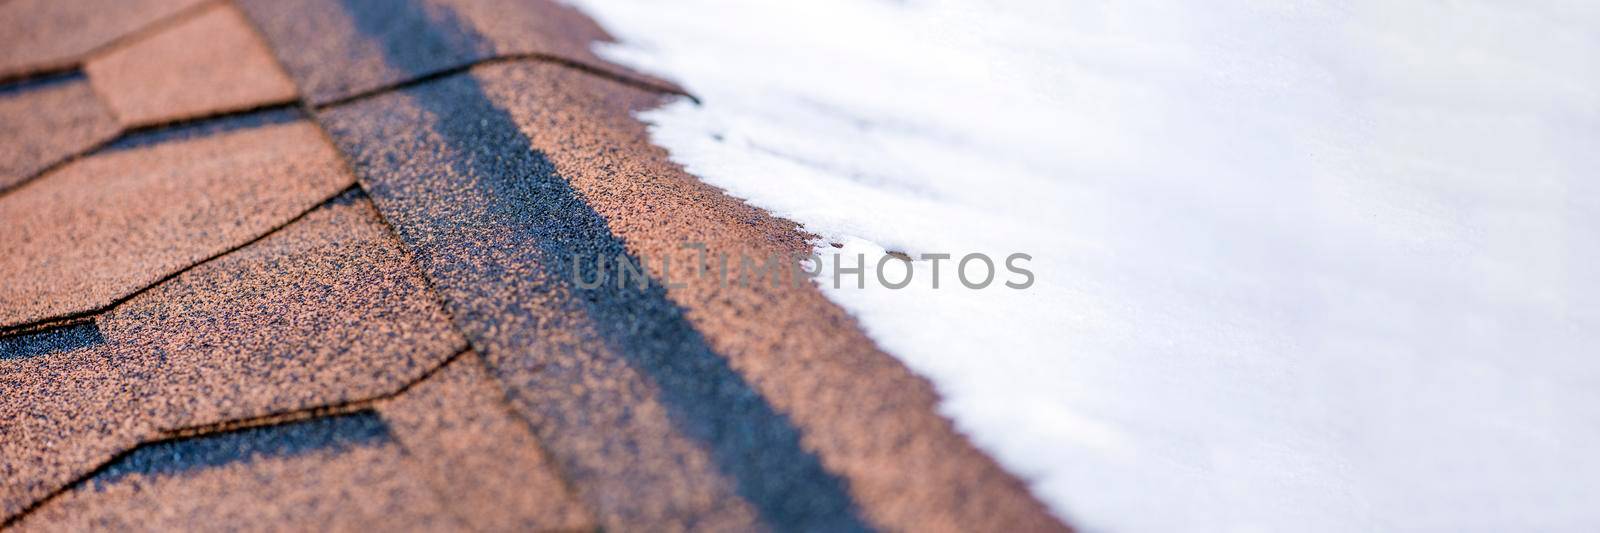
[510, 58]
[310, 112]
[85, 316]
[64, 161]
[272, 419]
[504, 403]
[126, 133]
[297, 415]
[176, 122]
[76, 63]
[508, 401]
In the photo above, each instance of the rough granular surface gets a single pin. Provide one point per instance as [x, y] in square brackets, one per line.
[209, 64]
[339, 49]
[471, 447]
[362, 309]
[45, 35]
[339, 473]
[107, 225]
[327, 311]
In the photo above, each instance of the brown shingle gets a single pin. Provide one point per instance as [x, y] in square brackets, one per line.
[100, 228]
[338, 49]
[46, 123]
[44, 35]
[325, 311]
[464, 439]
[205, 65]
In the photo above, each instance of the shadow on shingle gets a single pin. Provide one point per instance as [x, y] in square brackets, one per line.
[47, 80]
[331, 435]
[205, 127]
[52, 340]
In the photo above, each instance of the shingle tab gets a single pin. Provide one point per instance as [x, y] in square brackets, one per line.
[100, 228]
[209, 64]
[44, 35]
[325, 311]
[46, 123]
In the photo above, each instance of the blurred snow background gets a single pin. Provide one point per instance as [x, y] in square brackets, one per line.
[1300, 266]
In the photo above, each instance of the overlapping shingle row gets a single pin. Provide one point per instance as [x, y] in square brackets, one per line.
[106, 226]
[328, 310]
[161, 63]
[206, 290]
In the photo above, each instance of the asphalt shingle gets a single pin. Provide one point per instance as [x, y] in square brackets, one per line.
[208, 64]
[102, 227]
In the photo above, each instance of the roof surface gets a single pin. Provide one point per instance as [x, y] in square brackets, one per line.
[323, 278]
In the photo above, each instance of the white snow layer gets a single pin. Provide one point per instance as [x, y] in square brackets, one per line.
[1300, 266]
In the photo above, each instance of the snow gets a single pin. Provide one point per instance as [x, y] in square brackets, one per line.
[1299, 266]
